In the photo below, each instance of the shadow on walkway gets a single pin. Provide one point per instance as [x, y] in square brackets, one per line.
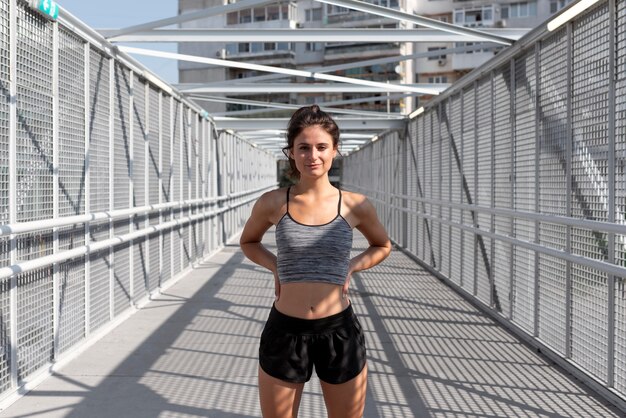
[192, 352]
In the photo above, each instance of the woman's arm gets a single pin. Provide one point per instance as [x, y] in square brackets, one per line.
[252, 234]
[379, 244]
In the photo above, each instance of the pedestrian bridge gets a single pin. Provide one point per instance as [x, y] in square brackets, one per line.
[123, 292]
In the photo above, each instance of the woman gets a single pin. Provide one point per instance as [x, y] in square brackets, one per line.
[312, 322]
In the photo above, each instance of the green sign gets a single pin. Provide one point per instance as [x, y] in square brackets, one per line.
[49, 8]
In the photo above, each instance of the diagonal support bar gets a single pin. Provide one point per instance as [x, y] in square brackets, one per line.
[278, 70]
[419, 20]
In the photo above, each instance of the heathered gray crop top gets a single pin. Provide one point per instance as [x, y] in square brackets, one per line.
[313, 253]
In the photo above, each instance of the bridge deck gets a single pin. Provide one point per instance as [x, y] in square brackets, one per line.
[193, 353]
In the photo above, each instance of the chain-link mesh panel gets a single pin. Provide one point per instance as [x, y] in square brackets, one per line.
[121, 270]
[176, 251]
[484, 192]
[524, 190]
[456, 188]
[186, 241]
[447, 164]
[176, 185]
[620, 334]
[186, 164]
[71, 237]
[5, 96]
[140, 269]
[5, 334]
[153, 250]
[139, 142]
[589, 319]
[436, 188]
[468, 164]
[99, 150]
[166, 152]
[34, 245]
[34, 321]
[34, 175]
[193, 163]
[153, 148]
[166, 250]
[71, 303]
[620, 196]
[71, 124]
[502, 187]
[121, 130]
[552, 188]
[99, 289]
[411, 187]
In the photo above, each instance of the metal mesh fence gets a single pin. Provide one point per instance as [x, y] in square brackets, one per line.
[528, 185]
[99, 140]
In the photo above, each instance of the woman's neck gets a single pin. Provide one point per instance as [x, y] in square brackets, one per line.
[319, 185]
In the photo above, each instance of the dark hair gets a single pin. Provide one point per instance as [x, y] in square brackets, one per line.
[303, 118]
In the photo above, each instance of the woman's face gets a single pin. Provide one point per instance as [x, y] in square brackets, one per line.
[313, 151]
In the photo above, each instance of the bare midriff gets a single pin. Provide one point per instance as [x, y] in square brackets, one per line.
[311, 300]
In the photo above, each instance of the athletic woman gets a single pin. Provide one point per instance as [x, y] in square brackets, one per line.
[312, 323]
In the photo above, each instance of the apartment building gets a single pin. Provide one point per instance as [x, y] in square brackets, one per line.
[443, 68]
[447, 68]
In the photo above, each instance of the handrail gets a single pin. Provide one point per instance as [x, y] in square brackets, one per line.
[23, 227]
[599, 226]
[26, 266]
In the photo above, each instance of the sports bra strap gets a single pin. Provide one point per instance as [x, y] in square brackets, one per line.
[339, 205]
[288, 188]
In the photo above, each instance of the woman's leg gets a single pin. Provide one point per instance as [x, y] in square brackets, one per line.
[346, 400]
[279, 399]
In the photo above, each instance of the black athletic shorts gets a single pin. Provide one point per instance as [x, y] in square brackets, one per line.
[291, 346]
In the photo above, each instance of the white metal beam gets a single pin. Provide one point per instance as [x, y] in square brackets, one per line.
[419, 20]
[311, 35]
[267, 68]
[354, 64]
[310, 88]
[213, 11]
[221, 99]
[253, 124]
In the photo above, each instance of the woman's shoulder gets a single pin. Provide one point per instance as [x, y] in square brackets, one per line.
[352, 199]
[273, 201]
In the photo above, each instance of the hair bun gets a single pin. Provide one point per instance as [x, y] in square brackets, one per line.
[315, 108]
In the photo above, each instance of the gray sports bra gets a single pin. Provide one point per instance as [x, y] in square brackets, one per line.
[313, 253]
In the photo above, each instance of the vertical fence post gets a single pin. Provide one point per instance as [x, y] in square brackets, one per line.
[568, 204]
[610, 379]
[87, 51]
[160, 190]
[492, 201]
[131, 185]
[13, 186]
[55, 188]
[512, 182]
[538, 141]
[147, 135]
[111, 183]
[462, 232]
[475, 197]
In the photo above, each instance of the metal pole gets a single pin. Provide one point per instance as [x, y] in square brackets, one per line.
[611, 180]
[568, 204]
[492, 202]
[87, 51]
[13, 186]
[512, 181]
[131, 188]
[112, 73]
[538, 141]
[55, 187]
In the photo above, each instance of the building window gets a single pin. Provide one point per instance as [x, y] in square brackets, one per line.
[245, 16]
[439, 79]
[517, 10]
[312, 15]
[556, 5]
[313, 46]
[273, 12]
[244, 47]
[477, 17]
[331, 9]
[436, 57]
[259, 14]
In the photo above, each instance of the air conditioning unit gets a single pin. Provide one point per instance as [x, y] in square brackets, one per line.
[442, 62]
[500, 24]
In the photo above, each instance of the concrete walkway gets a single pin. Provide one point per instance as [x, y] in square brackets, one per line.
[193, 353]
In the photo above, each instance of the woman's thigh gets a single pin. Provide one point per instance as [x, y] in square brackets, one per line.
[279, 399]
[346, 400]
